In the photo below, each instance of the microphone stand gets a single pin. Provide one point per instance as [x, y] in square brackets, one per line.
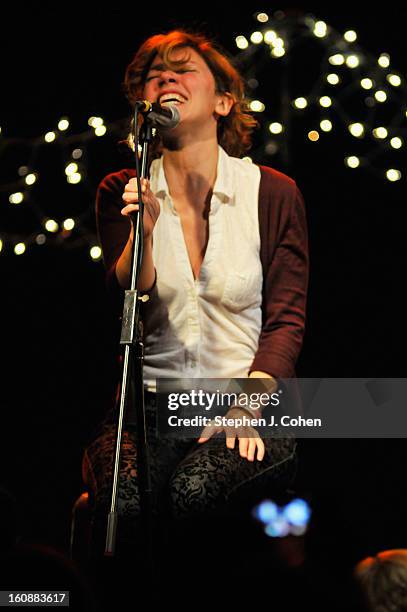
[131, 339]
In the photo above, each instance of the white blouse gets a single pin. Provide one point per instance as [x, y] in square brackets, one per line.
[208, 327]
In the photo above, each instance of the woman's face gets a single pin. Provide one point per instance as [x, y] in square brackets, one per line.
[191, 87]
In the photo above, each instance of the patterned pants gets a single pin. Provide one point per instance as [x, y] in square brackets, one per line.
[188, 479]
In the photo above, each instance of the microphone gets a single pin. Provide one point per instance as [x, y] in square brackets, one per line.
[166, 117]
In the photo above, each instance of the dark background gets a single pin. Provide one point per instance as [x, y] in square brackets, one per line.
[58, 347]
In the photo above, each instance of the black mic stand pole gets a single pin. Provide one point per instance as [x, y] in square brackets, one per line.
[131, 339]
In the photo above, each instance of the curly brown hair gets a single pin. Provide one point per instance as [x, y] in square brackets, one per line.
[234, 130]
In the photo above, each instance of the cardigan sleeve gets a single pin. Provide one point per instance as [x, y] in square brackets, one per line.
[285, 263]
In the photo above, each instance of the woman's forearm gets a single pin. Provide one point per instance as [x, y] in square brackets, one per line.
[147, 272]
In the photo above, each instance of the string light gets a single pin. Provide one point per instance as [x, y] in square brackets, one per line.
[320, 29]
[326, 125]
[357, 130]
[50, 137]
[393, 175]
[63, 124]
[350, 36]
[241, 42]
[394, 80]
[51, 226]
[256, 38]
[333, 79]
[313, 136]
[278, 52]
[95, 253]
[352, 61]
[325, 101]
[68, 224]
[337, 52]
[257, 106]
[95, 122]
[30, 179]
[352, 161]
[396, 142]
[16, 198]
[367, 83]
[380, 132]
[100, 130]
[300, 103]
[262, 17]
[380, 95]
[384, 60]
[275, 128]
[270, 37]
[19, 248]
[337, 59]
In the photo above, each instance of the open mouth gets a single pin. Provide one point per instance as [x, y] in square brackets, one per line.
[171, 98]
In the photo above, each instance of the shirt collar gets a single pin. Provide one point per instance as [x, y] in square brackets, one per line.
[223, 187]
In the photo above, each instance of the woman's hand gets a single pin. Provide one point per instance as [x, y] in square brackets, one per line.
[151, 204]
[249, 439]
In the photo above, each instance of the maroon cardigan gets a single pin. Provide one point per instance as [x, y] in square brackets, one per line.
[283, 253]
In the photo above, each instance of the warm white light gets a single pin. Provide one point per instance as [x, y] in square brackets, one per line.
[380, 132]
[63, 125]
[332, 79]
[30, 179]
[300, 102]
[257, 106]
[275, 128]
[71, 168]
[393, 175]
[1, 245]
[16, 198]
[50, 137]
[380, 96]
[279, 42]
[96, 252]
[356, 129]
[350, 36]
[77, 153]
[95, 121]
[262, 17]
[352, 61]
[326, 125]
[100, 130]
[256, 37]
[278, 52]
[270, 37]
[366, 83]
[384, 60]
[247, 159]
[396, 142]
[320, 29]
[69, 224]
[19, 248]
[51, 226]
[74, 178]
[352, 161]
[325, 101]
[394, 80]
[337, 59]
[241, 42]
[313, 135]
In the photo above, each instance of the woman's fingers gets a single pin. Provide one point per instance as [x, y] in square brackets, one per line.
[243, 444]
[129, 209]
[208, 432]
[261, 449]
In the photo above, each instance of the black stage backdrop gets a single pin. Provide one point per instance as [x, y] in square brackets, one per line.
[57, 343]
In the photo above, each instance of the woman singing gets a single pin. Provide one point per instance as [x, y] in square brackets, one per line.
[225, 265]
